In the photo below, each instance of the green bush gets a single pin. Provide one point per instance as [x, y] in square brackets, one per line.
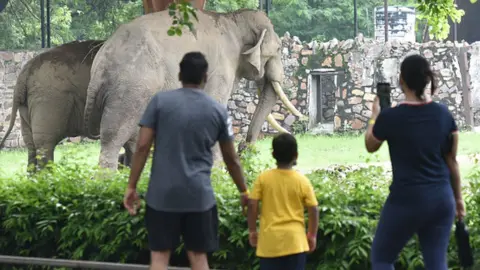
[63, 212]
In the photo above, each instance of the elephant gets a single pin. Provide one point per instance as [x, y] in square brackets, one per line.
[50, 97]
[140, 59]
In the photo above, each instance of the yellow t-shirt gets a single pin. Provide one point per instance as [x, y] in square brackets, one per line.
[284, 194]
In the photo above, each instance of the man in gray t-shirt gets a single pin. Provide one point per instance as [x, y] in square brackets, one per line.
[184, 124]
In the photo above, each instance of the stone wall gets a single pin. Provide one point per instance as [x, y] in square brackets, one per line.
[11, 64]
[357, 64]
[367, 62]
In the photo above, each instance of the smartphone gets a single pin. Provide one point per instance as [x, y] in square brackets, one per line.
[384, 92]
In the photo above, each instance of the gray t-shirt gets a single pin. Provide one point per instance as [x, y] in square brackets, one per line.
[187, 124]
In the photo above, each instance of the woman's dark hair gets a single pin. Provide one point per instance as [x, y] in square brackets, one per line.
[416, 73]
[284, 148]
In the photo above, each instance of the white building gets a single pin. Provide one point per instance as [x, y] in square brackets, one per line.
[401, 23]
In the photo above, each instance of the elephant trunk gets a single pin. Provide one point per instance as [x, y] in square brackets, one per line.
[266, 100]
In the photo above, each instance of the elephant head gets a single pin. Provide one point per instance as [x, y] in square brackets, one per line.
[261, 61]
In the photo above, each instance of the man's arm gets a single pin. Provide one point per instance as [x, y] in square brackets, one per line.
[146, 136]
[230, 157]
[234, 167]
[144, 143]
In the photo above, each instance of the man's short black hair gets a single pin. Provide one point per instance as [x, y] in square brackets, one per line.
[284, 148]
[193, 68]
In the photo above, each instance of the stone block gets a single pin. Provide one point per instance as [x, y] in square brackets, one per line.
[304, 61]
[236, 129]
[327, 62]
[337, 122]
[357, 108]
[6, 56]
[357, 124]
[306, 52]
[354, 100]
[231, 105]
[357, 92]
[289, 120]
[369, 96]
[339, 60]
[251, 108]
[366, 113]
[428, 54]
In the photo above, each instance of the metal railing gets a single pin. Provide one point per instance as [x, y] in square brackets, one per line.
[18, 260]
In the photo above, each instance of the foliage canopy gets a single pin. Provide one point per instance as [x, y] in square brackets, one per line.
[307, 19]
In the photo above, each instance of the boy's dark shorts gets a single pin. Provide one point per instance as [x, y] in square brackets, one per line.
[289, 262]
[199, 230]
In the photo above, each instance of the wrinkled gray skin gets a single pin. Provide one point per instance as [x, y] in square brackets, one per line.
[140, 59]
[50, 96]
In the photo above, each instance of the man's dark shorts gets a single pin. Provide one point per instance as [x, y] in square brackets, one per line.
[199, 230]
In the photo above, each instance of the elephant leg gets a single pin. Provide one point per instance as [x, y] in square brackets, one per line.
[129, 151]
[45, 151]
[116, 129]
[49, 124]
[125, 159]
[27, 136]
[121, 161]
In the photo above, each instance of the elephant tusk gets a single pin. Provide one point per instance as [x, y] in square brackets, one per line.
[278, 89]
[271, 120]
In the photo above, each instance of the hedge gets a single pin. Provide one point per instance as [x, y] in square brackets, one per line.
[64, 212]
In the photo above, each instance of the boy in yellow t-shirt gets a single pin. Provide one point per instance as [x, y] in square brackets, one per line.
[284, 193]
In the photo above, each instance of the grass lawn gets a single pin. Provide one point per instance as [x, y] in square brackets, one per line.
[314, 152]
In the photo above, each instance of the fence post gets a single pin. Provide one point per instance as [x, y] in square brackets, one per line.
[466, 92]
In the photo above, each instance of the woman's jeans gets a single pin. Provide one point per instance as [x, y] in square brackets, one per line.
[430, 218]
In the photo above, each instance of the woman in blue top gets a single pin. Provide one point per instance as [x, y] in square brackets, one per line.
[425, 192]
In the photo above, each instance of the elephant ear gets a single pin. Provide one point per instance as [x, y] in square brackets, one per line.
[254, 55]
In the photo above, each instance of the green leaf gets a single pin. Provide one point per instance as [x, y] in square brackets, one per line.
[171, 31]
[178, 31]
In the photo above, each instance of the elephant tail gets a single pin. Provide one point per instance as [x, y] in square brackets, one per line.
[19, 98]
[93, 89]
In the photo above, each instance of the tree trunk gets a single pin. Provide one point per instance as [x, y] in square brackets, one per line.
[151, 6]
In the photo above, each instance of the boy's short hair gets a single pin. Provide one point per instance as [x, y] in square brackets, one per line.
[284, 148]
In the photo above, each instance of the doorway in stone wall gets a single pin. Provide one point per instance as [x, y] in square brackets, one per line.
[325, 83]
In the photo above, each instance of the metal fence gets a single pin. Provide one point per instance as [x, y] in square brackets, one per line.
[17, 260]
